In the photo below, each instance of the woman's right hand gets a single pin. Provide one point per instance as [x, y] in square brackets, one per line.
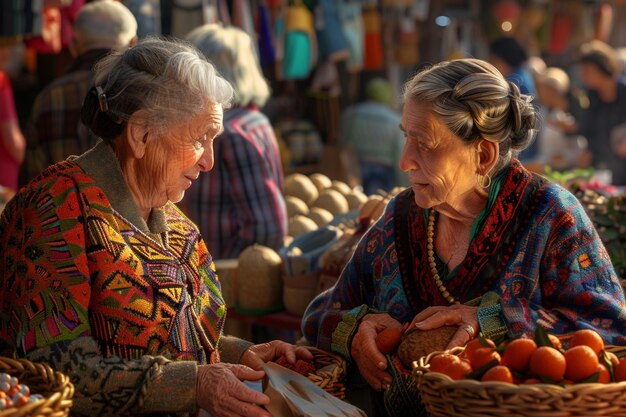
[371, 362]
[220, 391]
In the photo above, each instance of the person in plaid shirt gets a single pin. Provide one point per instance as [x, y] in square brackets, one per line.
[55, 131]
[241, 201]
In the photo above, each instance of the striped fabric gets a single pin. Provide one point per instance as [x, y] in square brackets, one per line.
[240, 202]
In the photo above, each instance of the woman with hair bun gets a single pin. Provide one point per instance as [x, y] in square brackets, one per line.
[477, 241]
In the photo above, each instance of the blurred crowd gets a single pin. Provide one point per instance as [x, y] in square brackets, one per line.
[583, 122]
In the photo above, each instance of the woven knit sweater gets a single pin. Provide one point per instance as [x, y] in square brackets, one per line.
[536, 259]
[127, 308]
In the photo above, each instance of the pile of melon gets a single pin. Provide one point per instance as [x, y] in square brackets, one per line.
[314, 201]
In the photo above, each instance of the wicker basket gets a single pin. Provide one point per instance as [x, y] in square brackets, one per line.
[330, 374]
[444, 397]
[55, 387]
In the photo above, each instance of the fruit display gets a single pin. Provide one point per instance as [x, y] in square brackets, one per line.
[533, 361]
[13, 393]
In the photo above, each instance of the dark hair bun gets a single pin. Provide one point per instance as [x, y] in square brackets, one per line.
[96, 120]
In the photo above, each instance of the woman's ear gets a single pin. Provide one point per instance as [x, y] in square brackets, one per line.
[488, 154]
[137, 134]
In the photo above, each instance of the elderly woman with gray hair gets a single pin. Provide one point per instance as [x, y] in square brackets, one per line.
[241, 202]
[104, 278]
[476, 242]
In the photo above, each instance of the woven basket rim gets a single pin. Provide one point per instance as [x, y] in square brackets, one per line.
[420, 370]
[333, 384]
[444, 397]
[57, 403]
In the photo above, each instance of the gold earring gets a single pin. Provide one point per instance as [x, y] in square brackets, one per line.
[483, 180]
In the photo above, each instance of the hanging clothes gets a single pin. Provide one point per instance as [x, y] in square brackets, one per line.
[352, 26]
[330, 37]
[242, 17]
[406, 41]
[299, 42]
[373, 57]
[267, 51]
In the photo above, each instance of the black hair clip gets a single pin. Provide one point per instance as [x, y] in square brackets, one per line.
[102, 99]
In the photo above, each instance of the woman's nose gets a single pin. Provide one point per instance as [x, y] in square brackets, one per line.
[407, 158]
[206, 160]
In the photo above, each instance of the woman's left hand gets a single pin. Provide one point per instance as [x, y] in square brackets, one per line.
[455, 315]
[257, 355]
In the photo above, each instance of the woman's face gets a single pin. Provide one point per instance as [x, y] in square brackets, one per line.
[591, 76]
[441, 166]
[181, 154]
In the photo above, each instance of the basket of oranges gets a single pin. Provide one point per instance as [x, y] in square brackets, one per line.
[525, 377]
[33, 389]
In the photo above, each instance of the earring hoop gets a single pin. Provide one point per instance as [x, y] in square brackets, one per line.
[483, 180]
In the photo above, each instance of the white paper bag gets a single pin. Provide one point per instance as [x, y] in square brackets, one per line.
[294, 395]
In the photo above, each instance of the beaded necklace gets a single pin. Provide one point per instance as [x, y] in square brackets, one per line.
[430, 237]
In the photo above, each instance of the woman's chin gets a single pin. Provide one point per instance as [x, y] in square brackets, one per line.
[177, 198]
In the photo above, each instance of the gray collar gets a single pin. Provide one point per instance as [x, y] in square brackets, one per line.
[101, 163]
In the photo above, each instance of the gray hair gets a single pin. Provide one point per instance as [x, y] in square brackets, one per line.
[233, 53]
[472, 98]
[169, 80]
[105, 24]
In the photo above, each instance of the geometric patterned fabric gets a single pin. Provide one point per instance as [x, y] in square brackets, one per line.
[72, 266]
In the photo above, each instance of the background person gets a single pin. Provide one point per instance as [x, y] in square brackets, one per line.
[372, 129]
[557, 146]
[510, 58]
[12, 141]
[103, 276]
[240, 202]
[55, 130]
[458, 248]
[603, 123]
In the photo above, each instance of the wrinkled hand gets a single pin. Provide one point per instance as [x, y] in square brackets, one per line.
[257, 355]
[371, 362]
[454, 315]
[221, 392]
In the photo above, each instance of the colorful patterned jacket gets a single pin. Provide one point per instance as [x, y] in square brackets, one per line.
[127, 308]
[536, 259]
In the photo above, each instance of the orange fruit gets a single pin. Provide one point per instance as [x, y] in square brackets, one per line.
[556, 342]
[476, 344]
[548, 362]
[483, 356]
[604, 376]
[438, 363]
[582, 362]
[458, 370]
[388, 339]
[587, 337]
[532, 381]
[620, 370]
[517, 354]
[498, 373]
